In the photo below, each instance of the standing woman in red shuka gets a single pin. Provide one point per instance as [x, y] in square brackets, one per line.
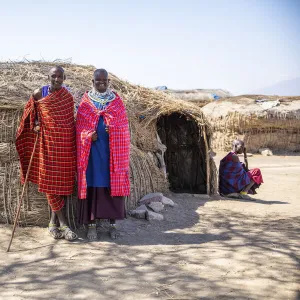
[103, 145]
[50, 114]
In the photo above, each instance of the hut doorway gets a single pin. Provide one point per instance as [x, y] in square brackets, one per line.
[185, 154]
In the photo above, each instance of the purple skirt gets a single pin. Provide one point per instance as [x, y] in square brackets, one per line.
[100, 205]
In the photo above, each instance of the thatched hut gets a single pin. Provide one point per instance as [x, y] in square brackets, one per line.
[167, 136]
[200, 97]
[262, 121]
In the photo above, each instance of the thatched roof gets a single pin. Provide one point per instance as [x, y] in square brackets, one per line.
[262, 121]
[255, 105]
[200, 97]
[144, 107]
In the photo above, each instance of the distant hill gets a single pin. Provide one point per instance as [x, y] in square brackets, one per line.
[283, 88]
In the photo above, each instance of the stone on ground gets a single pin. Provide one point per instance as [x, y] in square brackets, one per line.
[152, 197]
[167, 202]
[152, 216]
[142, 207]
[156, 206]
[265, 152]
[138, 214]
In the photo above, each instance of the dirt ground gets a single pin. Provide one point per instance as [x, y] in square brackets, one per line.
[204, 249]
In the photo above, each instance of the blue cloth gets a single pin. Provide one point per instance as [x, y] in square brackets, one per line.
[98, 170]
[45, 91]
[232, 176]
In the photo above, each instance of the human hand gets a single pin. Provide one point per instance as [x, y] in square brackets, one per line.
[36, 129]
[94, 136]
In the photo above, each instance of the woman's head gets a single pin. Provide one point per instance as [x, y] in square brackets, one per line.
[100, 80]
[238, 146]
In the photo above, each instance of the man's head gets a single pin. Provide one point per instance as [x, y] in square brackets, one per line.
[238, 146]
[56, 77]
[100, 80]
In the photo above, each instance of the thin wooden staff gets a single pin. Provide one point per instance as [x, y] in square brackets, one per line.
[22, 195]
[246, 159]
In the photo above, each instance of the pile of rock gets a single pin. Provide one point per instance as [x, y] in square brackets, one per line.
[150, 207]
[265, 152]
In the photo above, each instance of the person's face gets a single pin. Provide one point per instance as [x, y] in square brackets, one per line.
[100, 82]
[56, 77]
[239, 147]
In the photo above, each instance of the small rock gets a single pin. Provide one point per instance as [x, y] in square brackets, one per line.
[265, 152]
[168, 202]
[142, 207]
[138, 214]
[152, 216]
[153, 197]
[156, 206]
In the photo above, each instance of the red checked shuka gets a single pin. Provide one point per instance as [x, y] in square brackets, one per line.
[54, 163]
[115, 118]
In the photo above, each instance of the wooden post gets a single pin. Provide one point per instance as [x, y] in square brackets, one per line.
[207, 163]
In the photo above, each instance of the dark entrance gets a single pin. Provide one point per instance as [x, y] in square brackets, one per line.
[185, 155]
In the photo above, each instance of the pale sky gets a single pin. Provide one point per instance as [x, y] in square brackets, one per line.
[238, 45]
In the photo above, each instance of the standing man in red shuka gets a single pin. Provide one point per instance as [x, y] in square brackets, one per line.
[50, 114]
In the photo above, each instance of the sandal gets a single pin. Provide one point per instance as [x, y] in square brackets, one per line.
[92, 232]
[68, 234]
[233, 195]
[113, 232]
[245, 196]
[54, 231]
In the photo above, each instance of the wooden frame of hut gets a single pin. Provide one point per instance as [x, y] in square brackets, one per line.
[152, 117]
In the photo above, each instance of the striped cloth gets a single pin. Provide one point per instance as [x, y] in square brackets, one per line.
[56, 202]
[232, 176]
[54, 163]
[115, 118]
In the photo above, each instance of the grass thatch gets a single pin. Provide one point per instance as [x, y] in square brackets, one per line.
[144, 107]
[243, 117]
[200, 97]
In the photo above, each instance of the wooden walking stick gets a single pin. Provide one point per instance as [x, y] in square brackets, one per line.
[22, 195]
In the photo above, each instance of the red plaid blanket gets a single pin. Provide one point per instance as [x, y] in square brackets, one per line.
[54, 163]
[115, 118]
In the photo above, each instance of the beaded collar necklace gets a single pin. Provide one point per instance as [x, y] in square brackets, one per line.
[102, 98]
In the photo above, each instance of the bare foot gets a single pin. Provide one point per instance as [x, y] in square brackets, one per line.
[92, 233]
[68, 234]
[55, 232]
[113, 232]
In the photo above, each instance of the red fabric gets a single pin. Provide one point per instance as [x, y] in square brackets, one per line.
[115, 117]
[256, 175]
[54, 163]
[56, 202]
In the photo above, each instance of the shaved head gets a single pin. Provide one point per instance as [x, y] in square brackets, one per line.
[56, 77]
[238, 142]
[238, 146]
[99, 72]
[100, 80]
[57, 68]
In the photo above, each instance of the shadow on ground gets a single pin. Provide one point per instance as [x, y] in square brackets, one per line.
[193, 254]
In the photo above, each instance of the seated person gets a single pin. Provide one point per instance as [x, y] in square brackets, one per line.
[234, 176]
